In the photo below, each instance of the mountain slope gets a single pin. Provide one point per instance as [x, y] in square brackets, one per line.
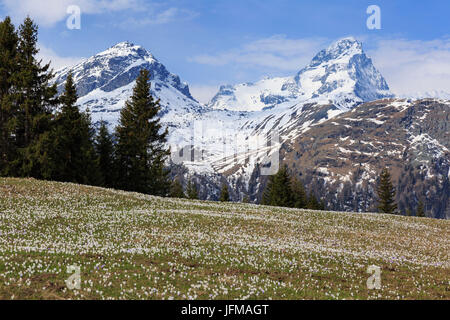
[342, 157]
[134, 246]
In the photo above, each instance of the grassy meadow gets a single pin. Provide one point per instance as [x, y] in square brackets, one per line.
[134, 246]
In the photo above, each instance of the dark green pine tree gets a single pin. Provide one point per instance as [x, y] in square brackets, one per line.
[191, 190]
[224, 194]
[141, 150]
[300, 199]
[176, 190]
[104, 149]
[322, 205]
[313, 203]
[267, 193]
[37, 101]
[8, 108]
[278, 191]
[408, 212]
[386, 194]
[420, 210]
[72, 157]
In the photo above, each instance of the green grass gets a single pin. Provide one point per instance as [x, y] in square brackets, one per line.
[132, 246]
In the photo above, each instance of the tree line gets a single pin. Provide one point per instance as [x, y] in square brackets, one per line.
[282, 190]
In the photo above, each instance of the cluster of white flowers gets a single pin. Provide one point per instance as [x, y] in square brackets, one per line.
[133, 246]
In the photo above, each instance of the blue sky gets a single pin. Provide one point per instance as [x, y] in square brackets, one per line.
[213, 42]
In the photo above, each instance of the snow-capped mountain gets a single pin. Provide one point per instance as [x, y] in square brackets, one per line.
[252, 96]
[337, 79]
[342, 74]
[106, 80]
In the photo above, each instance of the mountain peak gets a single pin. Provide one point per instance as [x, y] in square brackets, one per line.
[343, 73]
[344, 48]
[123, 44]
[127, 49]
[344, 40]
[347, 45]
[118, 67]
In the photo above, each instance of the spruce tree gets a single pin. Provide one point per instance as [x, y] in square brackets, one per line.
[37, 101]
[322, 205]
[224, 194]
[408, 212]
[278, 190]
[267, 193]
[191, 190]
[386, 194]
[313, 203]
[72, 157]
[141, 143]
[176, 190]
[8, 89]
[300, 200]
[104, 149]
[420, 210]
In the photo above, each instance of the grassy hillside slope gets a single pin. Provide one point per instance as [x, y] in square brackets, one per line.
[132, 246]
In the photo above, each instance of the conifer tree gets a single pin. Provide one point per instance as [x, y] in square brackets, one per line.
[313, 203]
[322, 205]
[104, 149]
[176, 190]
[408, 212]
[300, 200]
[420, 210]
[37, 101]
[8, 87]
[191, 190]
[224, 194]
[72, 157]
[267, 193]
[386, 194]
[278, 191]
[141, 144]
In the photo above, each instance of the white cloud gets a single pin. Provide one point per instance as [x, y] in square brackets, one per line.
[413, 66]
[155, 18]
[57, 62]
[203, 93]
[49, 12]
[277, 53]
